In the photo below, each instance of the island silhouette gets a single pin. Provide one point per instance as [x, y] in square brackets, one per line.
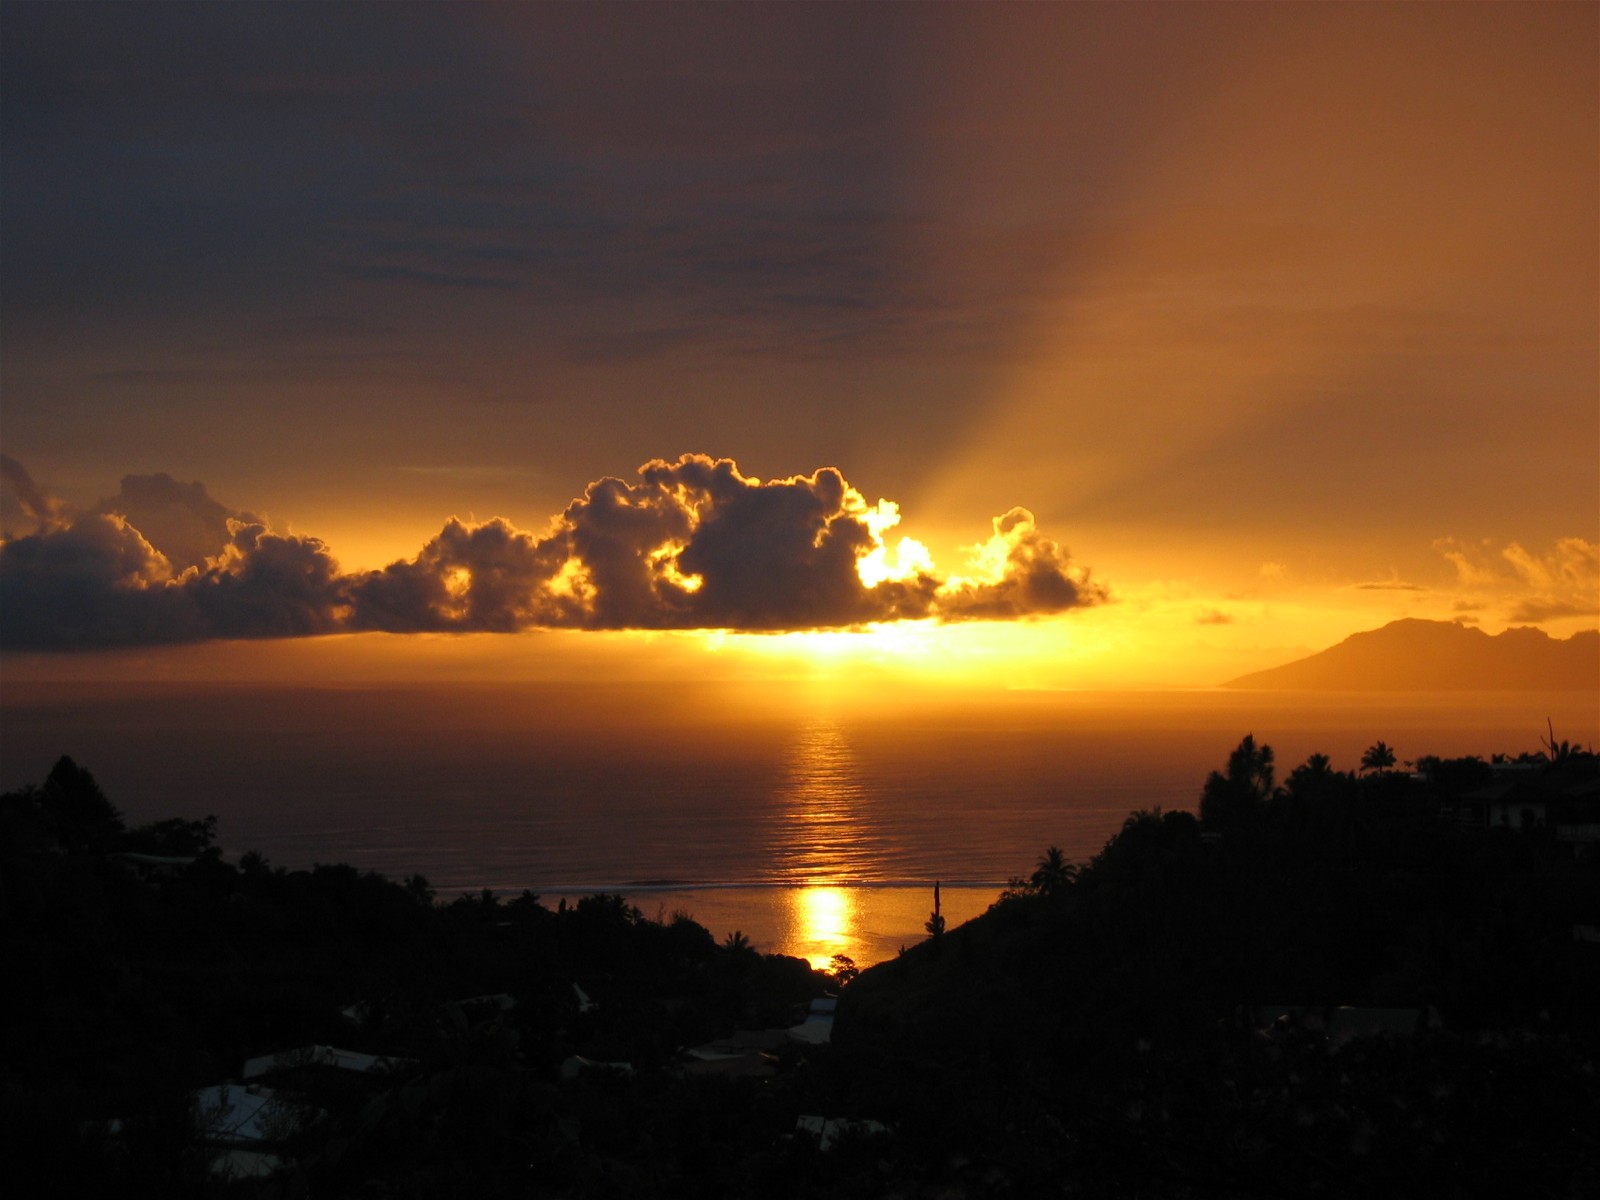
[1413, 655]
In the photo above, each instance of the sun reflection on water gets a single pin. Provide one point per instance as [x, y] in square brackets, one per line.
[818, 843]
[823, 922]
[818, 836]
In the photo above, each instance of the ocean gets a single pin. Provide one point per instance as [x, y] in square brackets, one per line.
[815, 822]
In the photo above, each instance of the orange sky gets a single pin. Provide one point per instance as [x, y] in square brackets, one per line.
[1280, 320]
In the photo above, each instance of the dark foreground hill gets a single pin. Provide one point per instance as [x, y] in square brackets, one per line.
[1326, 989]
[1413, 655]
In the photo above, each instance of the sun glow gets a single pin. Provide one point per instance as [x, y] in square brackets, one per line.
[824, 921]
[572, 580]
[900, 645]
[909, 558]
[1160, 636]
[665, 564]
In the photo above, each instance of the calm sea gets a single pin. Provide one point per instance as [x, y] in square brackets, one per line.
[813, 823]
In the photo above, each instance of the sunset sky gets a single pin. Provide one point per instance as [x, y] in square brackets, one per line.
[1184, 340]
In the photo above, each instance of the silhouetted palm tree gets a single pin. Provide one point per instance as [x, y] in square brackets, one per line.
[1250, 767]
[1554, 751]
[1378, 757]
[1053, 872]
[1238, 795]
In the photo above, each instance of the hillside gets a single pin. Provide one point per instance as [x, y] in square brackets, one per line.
[1413, 655]
[1335, 990]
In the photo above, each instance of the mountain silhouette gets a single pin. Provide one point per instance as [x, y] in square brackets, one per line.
[1415, 655]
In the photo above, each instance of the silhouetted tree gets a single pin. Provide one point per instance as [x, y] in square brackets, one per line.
[1313, 781]
[1251, 766]
[1053, 872]
[844, 969]
[1316, 767]
[77, 810]
[1452, 776]
[1237, 796]
[173, 836]
[1377, 757]
[935, 923]
[1554, 751]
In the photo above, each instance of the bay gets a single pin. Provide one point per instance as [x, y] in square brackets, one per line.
[813, 822]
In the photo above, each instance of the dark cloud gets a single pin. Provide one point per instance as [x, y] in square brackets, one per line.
[181, 520]
[491, 577]
[22, 497]
[267, 585]
[1390, 585]
[92, 581]
[161, 561]
[1535, 611]
[440, 158]
[692, 544]
[1214, 616]
[1035, 576]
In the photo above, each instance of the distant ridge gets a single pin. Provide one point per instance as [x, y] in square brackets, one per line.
[1426, 656]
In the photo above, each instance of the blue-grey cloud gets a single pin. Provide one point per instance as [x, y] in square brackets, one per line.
[265, 159]
[23, 499]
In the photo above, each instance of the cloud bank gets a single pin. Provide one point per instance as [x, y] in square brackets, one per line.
[692, 544]
[1563, 581]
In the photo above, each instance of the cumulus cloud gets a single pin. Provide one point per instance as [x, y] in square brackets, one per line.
[24, 496]
[485, 577]
[266, 585]
[93, 581]
[1022, 573]
[159, 562]
[691, 544]
[181, 520]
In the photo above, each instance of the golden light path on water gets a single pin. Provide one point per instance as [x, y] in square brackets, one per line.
[824, 921]
[817, 843]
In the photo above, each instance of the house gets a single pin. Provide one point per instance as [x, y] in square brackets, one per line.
[473, 1011]
[149, 868]
[747, 1054]
[575, 1065]
[321, 1056]
[817, 1028]
[748, 1064]
[1564, 796]
[1343, 1023]
[242, 1126]
[828, 1130]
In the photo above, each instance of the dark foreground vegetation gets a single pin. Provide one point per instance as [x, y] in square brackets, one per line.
[1381, 984]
